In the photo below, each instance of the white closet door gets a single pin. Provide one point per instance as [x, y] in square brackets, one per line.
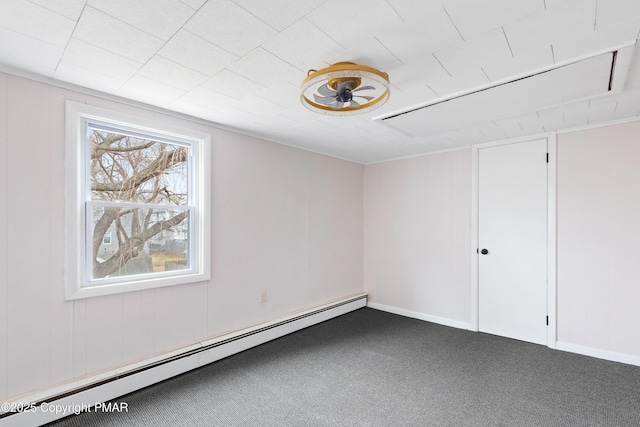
[513, 240]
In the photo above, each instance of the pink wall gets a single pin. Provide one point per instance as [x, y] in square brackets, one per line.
[417, 239]
[284, 220]
[301, 226]
[599, 238]
[418, 236]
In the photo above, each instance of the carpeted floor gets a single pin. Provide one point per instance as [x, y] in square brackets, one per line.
[371, 368]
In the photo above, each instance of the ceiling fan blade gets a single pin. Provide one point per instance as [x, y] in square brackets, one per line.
[363, 88]
[324, 100]
[354, 104]
[347, 84]
[368, 98]
[338, 105]
[325, 90]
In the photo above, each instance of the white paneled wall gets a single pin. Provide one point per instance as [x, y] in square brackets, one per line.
[307, 229]
[418, 236]
[285, 221]
[599, 239]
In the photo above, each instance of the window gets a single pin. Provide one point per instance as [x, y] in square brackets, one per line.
[137, 203]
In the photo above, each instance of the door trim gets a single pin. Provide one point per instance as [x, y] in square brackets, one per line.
[551, 231]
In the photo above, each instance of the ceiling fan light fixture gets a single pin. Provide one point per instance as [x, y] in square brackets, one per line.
[344, 89]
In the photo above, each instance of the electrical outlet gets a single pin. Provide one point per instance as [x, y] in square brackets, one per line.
[263, 297]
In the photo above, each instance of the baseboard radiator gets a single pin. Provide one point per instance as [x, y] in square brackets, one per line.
[44, 407]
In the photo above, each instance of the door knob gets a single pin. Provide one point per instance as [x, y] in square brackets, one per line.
[484, 251]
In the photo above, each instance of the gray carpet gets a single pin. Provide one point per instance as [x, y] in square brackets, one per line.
[371, 368]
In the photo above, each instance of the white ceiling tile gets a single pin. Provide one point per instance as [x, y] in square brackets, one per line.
[566, 116]
[551, 4]
[149, 91]
[348, 22]
[427, 29]
[99, 61]
[530, 123]
[508, 126]
[552, 119]
[541, 91]
[369, 52]
[602, 107]
[519, 65]
[266, 69]
[472, 135]
[230, 27]
[209, 99]
[628, 104]
[279, 13]
[194, 4]
[338, 122]
[258, 106]
[346, 133]
[385, 109]
[162, 18]
[284, 94]
[417, 73]
[196, 53]
[99, 29]
[257, 129]
[476, 52]
[574, 111]
[464, 81]
[443, 144]
[602, 38]
[247, 58]
[36, 22]
[454, 137]
[614, 12]
[303, 45]
[568, 20]
[232, 85]
[413, 40]
[415, 96]
[226, 116]
[635, 61]
[27, 53]
[277, 122]
[173, 74]
[490, 131]
[633, 78]
[383, 135]
[306, 117]
[71, 73]
[69, 8]
[473, 17]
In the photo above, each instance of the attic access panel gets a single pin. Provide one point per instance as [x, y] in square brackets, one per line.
[580, 80]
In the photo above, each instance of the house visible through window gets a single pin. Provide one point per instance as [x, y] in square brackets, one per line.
[141, 198]
[139, 191]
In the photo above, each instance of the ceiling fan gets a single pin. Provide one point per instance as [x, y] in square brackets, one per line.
[337, 94]
[344, 88]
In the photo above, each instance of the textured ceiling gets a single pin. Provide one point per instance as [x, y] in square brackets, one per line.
[239, 63]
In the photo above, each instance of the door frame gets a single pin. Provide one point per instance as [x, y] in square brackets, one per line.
[551, 231]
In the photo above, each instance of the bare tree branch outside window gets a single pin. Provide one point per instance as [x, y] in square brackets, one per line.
[133, 170]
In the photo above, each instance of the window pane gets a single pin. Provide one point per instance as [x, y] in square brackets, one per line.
[143, 241]
[134, 169]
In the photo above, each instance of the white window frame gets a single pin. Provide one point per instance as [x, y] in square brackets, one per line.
[77, 285]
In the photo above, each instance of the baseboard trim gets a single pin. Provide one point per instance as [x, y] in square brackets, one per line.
[598, 353]
[61, 401]
[421, 316]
